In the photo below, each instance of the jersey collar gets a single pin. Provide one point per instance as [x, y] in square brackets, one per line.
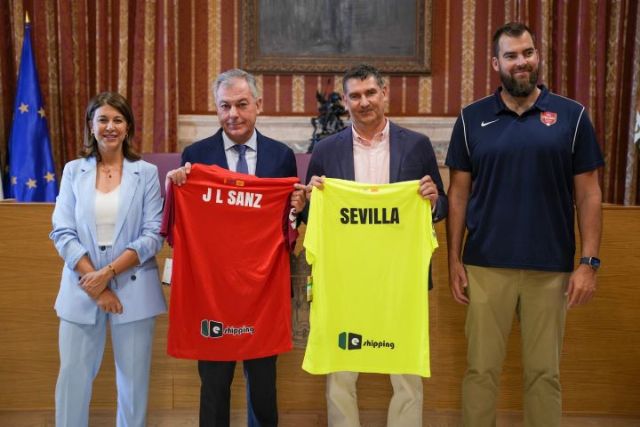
[541, 104]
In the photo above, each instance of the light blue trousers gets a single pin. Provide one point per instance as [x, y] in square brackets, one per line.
[81, 350]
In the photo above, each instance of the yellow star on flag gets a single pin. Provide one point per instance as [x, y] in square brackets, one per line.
[14, 180]
[24, 108]
[49, 177]
[31, 183]
[41, 112]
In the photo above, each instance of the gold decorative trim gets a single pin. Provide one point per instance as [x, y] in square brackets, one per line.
[337, 84]
[403, 109]
[166, 105]
[424, 97]
[297, 95]
[192, 56]
[110, 52]
[632, 170]
[53, 119]
[216, 52]
[387, 80]
[615, 16]
[236, 32]
[545, 37]
[123, 49]
[277, 94]
[18, 25]
[97, 36]
[173, 137]
[563, 84]
[260, 86]
[148, 107]
[78, 117]
[468, 48]
[489, 67]
[447, 43]
[593, 44]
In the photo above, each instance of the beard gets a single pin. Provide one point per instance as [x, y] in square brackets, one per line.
[520, 88]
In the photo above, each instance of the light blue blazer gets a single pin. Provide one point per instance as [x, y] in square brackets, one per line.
[137, 228]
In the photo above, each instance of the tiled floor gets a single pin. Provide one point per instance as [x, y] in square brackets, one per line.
[189, 418]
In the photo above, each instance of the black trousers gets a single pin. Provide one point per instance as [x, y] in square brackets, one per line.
[215, 392]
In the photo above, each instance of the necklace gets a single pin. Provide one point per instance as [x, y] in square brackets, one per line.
[107, 170]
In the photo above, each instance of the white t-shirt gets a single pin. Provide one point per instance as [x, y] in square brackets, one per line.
[106, 214]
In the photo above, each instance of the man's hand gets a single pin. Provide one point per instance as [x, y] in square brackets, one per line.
[179, 176]
[298, 197]
[315, 181]
[458, 282]
[95, 282]
[428, 190]
[109, 302]
[582, 286]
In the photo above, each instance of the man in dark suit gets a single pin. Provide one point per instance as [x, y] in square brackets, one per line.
[374, 150]
[240, 147]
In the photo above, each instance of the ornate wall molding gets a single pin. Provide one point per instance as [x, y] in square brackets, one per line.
[296, 131]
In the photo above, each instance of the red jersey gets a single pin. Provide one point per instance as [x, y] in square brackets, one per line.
[230, 293]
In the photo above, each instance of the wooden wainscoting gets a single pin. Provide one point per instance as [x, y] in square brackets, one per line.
[600, 369]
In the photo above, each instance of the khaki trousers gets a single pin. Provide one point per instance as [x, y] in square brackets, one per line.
[539, 300]
[405, 407]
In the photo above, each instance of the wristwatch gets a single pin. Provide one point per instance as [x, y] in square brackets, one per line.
[591, 261]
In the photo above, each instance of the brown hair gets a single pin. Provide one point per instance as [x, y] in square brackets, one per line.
[120, 103]
[510, 29]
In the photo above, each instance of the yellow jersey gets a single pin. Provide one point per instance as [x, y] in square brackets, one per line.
[369, 247]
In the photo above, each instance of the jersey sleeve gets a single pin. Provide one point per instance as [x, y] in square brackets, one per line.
[168, 216]
[458, 154]
[311, 234]
[587, 155]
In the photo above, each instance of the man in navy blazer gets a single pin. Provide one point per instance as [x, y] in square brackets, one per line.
[276, 160]
[377, 151]
[238, 146]
[411, 156]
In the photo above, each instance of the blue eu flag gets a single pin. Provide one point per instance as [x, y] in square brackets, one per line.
[31, 171]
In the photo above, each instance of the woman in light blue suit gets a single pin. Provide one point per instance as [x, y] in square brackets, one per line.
[106, 228]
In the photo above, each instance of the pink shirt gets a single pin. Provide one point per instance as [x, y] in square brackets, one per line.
[371, 157]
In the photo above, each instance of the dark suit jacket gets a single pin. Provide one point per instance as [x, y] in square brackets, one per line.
[411, 157]
[275, 159]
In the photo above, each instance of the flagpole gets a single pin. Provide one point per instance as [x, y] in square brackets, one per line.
[26, 18]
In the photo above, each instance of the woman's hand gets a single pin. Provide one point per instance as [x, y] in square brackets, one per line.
[109, 302]
[93, 283]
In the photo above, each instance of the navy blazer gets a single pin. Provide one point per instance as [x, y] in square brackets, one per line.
[411, 157]
[275, 159]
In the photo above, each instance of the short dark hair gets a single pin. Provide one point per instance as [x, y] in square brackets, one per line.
[511, 29]
[120, 103]
[362, 72]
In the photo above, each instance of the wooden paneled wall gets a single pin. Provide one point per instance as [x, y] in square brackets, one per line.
[600, 368]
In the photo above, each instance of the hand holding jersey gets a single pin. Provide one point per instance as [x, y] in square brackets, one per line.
[359, 234]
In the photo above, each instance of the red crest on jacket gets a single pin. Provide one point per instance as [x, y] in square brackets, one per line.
[548, 118]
